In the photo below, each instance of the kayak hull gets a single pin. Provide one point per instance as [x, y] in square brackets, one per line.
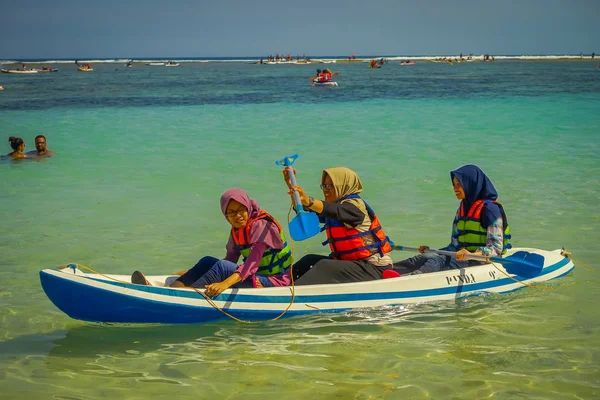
[325, 84]
[19, 71]
[111, 298]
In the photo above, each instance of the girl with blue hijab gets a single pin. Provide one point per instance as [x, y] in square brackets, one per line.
[480, 226]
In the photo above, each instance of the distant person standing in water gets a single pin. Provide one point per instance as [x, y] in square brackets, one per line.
[18, 146]
[40, 148]
[593, 55]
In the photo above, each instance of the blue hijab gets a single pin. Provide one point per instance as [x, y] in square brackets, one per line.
[478, 186]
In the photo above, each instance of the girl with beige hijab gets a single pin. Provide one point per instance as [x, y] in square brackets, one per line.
[359, 247]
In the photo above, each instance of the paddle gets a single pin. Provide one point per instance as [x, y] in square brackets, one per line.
[305, 224]
[522, 263]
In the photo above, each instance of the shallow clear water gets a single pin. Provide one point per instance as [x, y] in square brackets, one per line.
[144, 153]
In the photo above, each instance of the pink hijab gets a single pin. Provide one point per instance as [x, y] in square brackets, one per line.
[241, 197]
[263, 231]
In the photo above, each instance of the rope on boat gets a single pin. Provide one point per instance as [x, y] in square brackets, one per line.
[543, 287]
[585, 265]
[563, 252]
[92, 271]
[567, 254]
[212, 303]
[208, 299]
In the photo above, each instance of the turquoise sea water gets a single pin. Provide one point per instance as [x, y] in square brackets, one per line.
[144, 153]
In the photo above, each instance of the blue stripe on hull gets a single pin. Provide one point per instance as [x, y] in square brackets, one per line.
[333, 297]
[93, 304]
[89, 303]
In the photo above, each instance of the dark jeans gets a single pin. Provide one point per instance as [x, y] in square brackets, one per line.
[430, 262]
[212, 270]
[315, 269]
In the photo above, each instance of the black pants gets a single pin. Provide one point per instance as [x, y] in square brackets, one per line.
[430, 262]
[315, 269]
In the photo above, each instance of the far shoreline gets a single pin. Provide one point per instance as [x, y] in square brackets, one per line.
[301, 61]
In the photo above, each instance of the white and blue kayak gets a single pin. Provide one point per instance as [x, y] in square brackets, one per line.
[111, 298]
[325, 84]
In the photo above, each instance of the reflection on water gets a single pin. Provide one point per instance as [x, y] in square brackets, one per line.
[479, 346]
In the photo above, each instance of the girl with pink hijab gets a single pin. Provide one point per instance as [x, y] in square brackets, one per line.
[256, 236]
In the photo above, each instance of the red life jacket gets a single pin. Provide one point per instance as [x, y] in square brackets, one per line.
[349, 244]
[474, 213]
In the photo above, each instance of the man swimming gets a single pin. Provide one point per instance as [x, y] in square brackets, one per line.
[40, 148]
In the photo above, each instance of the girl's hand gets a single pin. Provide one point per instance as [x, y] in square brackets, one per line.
[460, 255]
[423, 249]
[215, 289]
[304, 199]
[286, 177]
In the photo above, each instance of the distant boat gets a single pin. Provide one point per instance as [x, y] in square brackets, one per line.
[20, 71]
[407, 63]
[172, 64]
[83, 67]
[46, 69]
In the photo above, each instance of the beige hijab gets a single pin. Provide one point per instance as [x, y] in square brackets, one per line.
[345, 181]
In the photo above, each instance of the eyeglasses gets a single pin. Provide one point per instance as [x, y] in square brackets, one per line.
[327, 186]
[240, 211]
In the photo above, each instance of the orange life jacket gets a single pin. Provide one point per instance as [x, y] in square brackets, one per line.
[349, 244]
[273, 261]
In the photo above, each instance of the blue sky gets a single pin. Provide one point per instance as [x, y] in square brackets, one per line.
[227, 28]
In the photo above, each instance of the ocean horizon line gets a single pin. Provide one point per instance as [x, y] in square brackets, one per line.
[365, 58]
